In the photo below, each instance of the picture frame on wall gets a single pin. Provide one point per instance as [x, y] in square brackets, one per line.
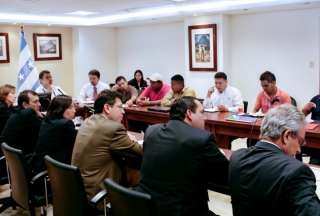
[47, 47]
[203, 47]
[4, 48]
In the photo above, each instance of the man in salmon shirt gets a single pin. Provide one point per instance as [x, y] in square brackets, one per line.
[153, 94]
[271, 96]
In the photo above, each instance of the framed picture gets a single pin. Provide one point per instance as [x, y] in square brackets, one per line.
[47, 47]
[203, 47]
[4, 48]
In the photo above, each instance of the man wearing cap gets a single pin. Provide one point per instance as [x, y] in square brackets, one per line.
[153, 94]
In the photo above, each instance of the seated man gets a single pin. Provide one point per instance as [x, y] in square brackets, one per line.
[177, 91]
[222, 96]
[22, 128]
[313, 107]
[271, 96]
[100, 136]
[90, 91]
[153, 94]
[46, 85]
[266, 179]
[179, 160]
[128, 92]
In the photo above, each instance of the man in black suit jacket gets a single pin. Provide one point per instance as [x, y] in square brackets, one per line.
[178, 161]
[22, 128]
[266, 179]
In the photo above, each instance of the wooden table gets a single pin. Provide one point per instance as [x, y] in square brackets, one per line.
[216, 123]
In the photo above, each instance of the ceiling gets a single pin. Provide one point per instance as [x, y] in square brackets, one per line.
[113, 12]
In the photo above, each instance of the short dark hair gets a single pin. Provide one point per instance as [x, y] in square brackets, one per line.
[94, 72]
[178, 78]
[120, 78]
[105, 97]
[24, 97]
[42, 73]
[221, 75]
[268, 76]
[179, 108]
[58, 105]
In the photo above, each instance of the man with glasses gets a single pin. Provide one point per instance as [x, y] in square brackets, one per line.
[179, 160]
[266, 179]
[100, 138]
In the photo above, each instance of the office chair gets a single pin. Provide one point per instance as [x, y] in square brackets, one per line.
[69, 195]
[22, 184]
[126, 202]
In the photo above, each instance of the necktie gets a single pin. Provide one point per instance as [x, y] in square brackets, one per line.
[95, 92]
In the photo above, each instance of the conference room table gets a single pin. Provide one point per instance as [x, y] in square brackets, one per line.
[224, 130]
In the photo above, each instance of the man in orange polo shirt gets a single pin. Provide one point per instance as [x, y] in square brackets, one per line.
[271, 96]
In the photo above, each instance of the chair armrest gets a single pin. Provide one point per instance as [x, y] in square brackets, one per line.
[40, 175]
[98, 198]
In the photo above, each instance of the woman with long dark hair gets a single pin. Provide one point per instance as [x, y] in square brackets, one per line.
[7, 98]
[57, 133]
[138, 82]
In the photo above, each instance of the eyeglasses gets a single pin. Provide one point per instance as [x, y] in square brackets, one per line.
[301, 140]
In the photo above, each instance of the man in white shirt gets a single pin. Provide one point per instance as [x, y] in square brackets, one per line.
[90, 91]
[46, 85]
[222, 96]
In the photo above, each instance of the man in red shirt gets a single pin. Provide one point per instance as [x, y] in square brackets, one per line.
[153, 94]
[271, 96]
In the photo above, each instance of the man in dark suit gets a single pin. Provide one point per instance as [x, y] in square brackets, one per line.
[22, 128]
[179, 160]
[266, 179]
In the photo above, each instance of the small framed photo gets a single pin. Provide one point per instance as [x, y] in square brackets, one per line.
[4, 48]
[203, 47]
[47, 47]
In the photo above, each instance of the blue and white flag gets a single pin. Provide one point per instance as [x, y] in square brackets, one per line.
[28, 77]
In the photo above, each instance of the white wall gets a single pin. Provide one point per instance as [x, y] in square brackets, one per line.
[201, 81]
[95, 48]
[286, 43]
[151, 48]
[62, 70]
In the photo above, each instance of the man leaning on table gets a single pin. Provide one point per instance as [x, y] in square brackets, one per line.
[266, 179]
[222, 96]
[154, 93]
[178, 90]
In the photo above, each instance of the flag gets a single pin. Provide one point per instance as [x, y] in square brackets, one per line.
[28, 77]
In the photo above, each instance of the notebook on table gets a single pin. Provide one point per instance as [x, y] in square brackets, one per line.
[159, 109]
[241, 118]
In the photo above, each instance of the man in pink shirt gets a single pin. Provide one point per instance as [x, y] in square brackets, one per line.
[153, 94]
[271, 96]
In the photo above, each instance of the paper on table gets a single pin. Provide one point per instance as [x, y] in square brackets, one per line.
[214, 109]
[140, 142]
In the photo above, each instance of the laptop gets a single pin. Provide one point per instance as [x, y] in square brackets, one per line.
[159, 109]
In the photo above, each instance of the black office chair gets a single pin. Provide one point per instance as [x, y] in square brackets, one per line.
[245, 106]
[126, 202]
[22, 184]
[69, 196]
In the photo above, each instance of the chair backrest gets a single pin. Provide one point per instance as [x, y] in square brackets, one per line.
[69, 196]
[125, 202]
[18, 175]
[245, 106]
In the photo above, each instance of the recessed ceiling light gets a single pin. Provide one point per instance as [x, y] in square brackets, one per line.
[178, 0]
[81, 13]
